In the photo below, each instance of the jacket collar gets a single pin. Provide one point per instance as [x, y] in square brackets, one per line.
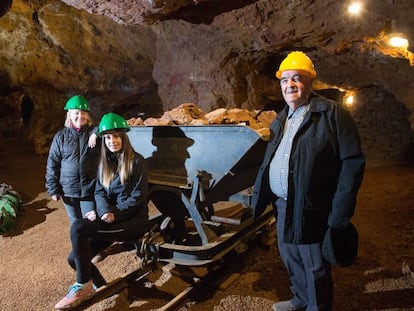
[318, 103]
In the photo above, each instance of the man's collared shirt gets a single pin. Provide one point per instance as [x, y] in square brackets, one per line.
[279, 166]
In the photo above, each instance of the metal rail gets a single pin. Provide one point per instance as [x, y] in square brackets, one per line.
[195, 280]
[137, 276]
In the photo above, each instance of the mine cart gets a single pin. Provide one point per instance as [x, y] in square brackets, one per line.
[200, 184]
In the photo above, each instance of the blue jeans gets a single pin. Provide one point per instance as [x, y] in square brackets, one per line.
[76, 208]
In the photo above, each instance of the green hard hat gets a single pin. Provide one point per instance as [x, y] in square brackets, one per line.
[77, 102]
[112, 121]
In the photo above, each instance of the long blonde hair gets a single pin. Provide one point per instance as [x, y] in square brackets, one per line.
[108, 168]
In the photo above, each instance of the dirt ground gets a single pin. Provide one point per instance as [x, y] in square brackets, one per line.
[34, 273]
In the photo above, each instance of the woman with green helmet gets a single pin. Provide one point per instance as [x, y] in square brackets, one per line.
[73, 161]
[122, 212]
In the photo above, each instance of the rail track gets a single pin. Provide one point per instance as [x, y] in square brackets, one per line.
[149, 282]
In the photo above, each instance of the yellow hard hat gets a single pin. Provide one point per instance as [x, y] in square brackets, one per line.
[296, 61]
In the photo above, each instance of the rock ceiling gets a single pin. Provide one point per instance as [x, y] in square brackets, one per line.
[152, 55]
[350, 51]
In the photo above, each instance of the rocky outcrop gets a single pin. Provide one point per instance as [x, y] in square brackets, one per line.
[51, 51]
[148, 57]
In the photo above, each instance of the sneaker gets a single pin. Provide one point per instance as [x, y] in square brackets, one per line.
[77, 293]
[285, 306]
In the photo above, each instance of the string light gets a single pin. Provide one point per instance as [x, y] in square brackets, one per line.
[355, 8]
[398, 41]
[349, 99]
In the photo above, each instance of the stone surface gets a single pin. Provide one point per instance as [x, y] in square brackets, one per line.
[147, 57]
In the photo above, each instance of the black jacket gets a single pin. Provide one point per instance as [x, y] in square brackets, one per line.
[128, 200]
[325, 172]
[72, 165]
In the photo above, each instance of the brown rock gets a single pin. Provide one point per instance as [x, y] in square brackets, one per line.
[183, 114]
[156, 122]
[216, 116]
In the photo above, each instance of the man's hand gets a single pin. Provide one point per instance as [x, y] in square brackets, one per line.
[108, 218]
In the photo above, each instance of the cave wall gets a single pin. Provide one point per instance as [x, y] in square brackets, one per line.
[385, 131]
[148, 57]
[51, 51]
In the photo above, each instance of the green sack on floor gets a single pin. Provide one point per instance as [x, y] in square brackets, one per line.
[10, 205]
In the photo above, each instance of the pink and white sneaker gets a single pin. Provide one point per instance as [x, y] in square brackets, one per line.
[77, 293]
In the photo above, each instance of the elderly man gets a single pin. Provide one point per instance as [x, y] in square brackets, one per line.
[311, 173]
